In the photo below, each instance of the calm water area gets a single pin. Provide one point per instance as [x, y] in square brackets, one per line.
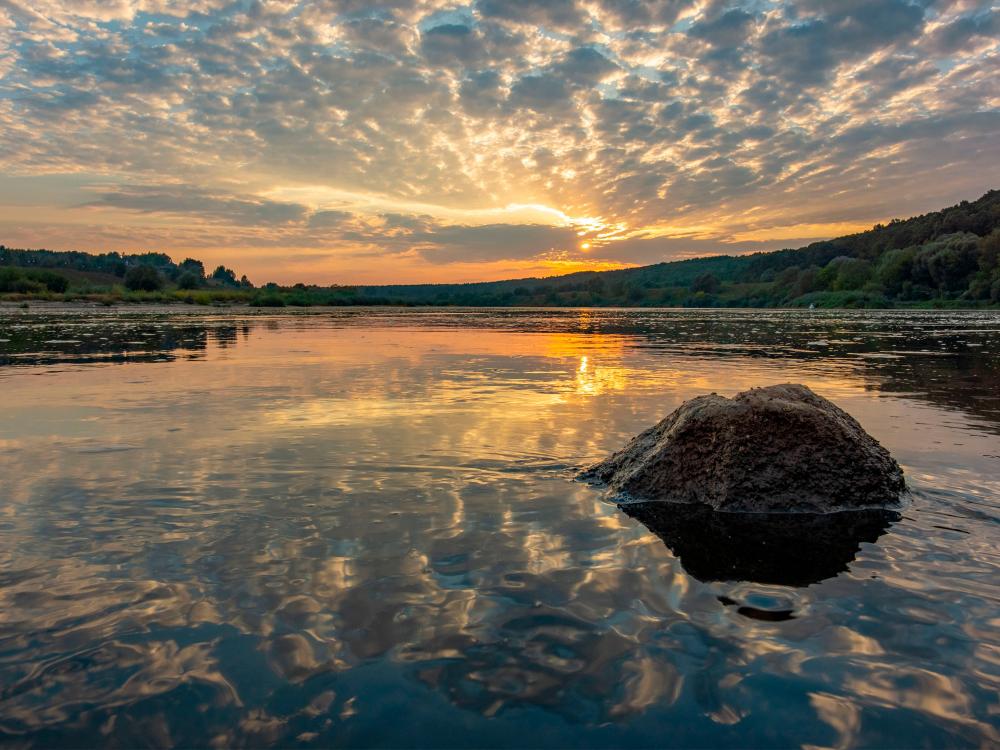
[361, 527]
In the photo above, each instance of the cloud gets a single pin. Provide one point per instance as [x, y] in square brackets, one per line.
[556, 14]
[584, 66]
[542, 93]
[451, 42]
[481, 92]
[619, 117]
[187, 200]
[808, 49]
[329, 219]
[965, 30]
[449, 244]
[729, 29]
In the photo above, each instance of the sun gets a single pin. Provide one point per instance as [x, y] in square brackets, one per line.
[585, 246]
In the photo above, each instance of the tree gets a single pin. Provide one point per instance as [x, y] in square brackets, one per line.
[989, 251]
[224, 275]
[707, 283]
[143, 278]
[805, 283]
[160, 261]
[189, 280]
[631, 291]
[948, 262]
[852, 274]
[192, 266]
[787, 277]
[894, 270]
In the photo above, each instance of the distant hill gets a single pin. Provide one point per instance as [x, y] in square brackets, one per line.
[949, 256]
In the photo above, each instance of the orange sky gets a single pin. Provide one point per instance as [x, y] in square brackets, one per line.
[423, 141]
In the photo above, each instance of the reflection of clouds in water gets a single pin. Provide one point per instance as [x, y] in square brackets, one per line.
[921, 691]
[92, 624]
[111, 675]
[842, 714]
[402, 504]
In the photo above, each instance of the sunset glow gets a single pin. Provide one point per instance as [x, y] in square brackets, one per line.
[344, 142]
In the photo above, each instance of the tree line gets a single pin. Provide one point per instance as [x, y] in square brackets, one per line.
[950, 256]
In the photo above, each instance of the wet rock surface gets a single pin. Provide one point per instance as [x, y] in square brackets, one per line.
[778, 449]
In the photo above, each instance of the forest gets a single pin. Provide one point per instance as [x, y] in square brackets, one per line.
[944, 258]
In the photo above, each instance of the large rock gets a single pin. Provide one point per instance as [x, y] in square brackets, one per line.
[775, 449]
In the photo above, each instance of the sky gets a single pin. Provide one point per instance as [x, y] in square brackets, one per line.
[341, 141]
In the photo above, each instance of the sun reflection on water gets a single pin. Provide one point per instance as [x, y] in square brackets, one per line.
[327, 520]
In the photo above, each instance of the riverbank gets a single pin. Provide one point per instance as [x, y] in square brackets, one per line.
[230, 299]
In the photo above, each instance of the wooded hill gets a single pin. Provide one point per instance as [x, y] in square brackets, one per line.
[950, 256]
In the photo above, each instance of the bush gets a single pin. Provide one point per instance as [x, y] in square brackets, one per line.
[143, 279]
[14, 280]
[267, 300]
[53, 281]
[847, 298]
[32, 281]
[188, 280]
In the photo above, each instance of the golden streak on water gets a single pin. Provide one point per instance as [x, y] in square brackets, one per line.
[318, 498]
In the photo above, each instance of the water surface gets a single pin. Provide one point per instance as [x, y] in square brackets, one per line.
[360, 528]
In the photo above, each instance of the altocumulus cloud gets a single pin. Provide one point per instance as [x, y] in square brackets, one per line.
[188, 200]
[448, 244]
[400, 131]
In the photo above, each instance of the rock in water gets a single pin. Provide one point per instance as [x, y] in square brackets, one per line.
[775, 449]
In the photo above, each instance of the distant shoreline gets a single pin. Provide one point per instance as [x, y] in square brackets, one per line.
[179, 307]
[948, 259]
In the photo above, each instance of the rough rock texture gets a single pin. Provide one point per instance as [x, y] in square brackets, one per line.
[775, 449]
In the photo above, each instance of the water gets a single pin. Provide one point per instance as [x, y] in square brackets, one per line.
[358, 528]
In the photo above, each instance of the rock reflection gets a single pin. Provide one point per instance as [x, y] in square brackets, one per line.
[789, 549]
